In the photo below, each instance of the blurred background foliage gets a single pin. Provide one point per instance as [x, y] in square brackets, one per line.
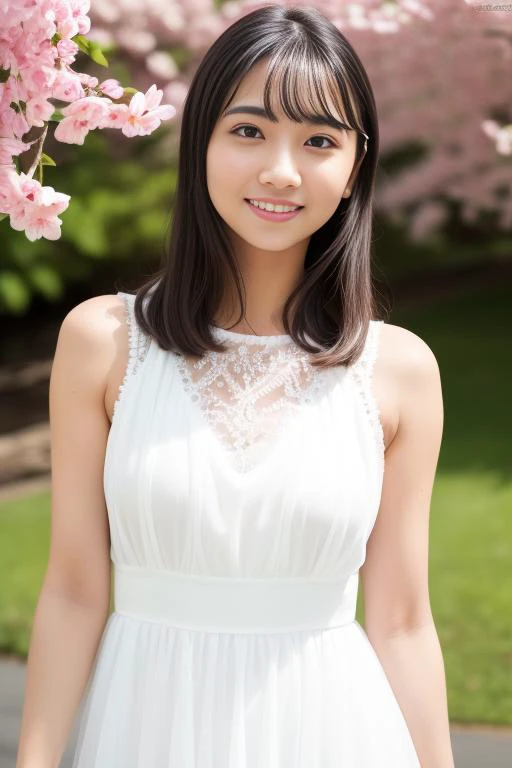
[121, 209]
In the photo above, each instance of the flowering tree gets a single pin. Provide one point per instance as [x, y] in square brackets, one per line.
[441, 75]
[39, 43]
[440, 71]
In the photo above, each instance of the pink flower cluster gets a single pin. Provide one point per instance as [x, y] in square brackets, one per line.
[39, 42]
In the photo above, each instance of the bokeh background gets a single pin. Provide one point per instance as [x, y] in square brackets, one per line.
[442, 78]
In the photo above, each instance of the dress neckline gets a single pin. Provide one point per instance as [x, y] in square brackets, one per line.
[250, 338]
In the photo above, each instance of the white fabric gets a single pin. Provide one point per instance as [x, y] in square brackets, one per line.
[234, 643]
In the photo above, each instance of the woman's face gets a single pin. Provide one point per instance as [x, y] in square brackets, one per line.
[309, 165]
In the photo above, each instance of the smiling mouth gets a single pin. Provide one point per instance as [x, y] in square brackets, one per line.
[298, 207]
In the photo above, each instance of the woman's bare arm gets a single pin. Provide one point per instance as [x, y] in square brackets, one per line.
[398, 617]
[74, 600]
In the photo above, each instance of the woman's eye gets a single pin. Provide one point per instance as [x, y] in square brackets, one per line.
[244, 128]
[253, 128]
[323, 138]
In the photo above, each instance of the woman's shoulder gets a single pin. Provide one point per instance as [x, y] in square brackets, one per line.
[406, 354]
[406, 372]
[95, 334]
[98, 323]
[95, 320]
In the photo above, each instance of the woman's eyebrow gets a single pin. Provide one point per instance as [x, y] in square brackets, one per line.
[312, 118]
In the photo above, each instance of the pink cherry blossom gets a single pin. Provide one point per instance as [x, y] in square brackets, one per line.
[67, 86]
[145, 114]
[9, 148]
[111, 88]
[37, 209]
[67, 51]
[116, 116]
[13, 123]
[14, 13]
[81, 116]
[72, 130]
[39, 69]
[90, 108]
[9, 188]
[72, 17]
[39, 111]
[88, 80]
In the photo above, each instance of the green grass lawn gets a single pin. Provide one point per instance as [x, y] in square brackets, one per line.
[24, 545]
[471, 513]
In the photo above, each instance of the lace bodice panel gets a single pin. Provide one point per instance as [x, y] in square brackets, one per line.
[251, 393]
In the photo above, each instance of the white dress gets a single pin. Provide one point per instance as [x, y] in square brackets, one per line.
[241, 490]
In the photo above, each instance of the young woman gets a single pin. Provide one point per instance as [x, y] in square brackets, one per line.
[246, 441]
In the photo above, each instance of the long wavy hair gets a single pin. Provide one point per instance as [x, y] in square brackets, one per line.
[335, 299]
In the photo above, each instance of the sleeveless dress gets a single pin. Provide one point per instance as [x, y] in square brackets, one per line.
[241, 489]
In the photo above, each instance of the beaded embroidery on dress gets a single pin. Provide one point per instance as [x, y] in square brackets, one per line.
[138, 345]
[241, 490]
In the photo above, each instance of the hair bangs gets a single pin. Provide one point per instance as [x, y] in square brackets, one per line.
[304, 79]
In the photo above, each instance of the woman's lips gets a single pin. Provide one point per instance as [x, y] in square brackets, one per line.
[272, 215]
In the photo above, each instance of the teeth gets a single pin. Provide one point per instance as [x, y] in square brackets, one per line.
[275, 208]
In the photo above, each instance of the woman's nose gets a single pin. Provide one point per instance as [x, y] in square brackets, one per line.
[281, 169]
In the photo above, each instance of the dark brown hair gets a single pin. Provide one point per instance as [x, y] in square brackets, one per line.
[335, 300]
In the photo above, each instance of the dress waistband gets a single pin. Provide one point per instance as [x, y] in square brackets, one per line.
[225, 604]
